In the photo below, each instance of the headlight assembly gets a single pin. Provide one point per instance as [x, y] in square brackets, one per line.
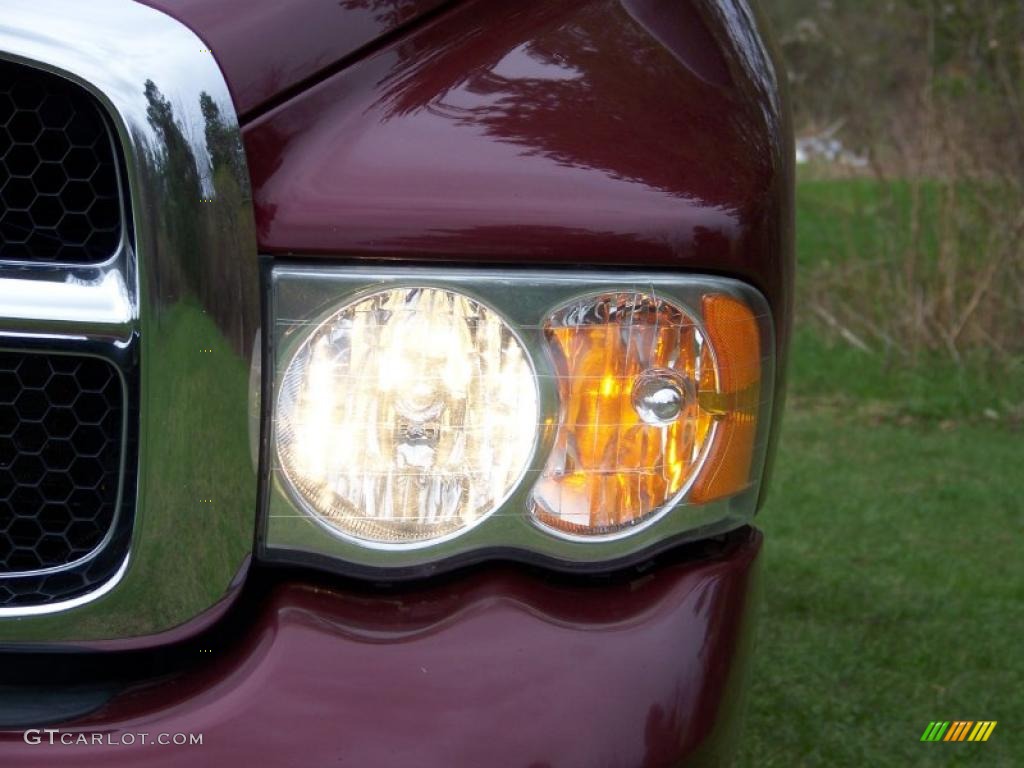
[425, 417]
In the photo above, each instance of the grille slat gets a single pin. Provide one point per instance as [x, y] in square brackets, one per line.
[61, 420]
[59, 197]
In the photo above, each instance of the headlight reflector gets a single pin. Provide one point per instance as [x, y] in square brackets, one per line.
[406, 415]
[631, 433]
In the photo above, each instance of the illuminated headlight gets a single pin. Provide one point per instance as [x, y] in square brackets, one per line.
[424, 417]
[406, 415]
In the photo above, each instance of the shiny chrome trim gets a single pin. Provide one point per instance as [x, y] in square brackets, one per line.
[300, 297]
[97, 301]
[180, 301]
[74, 306]
[66, 605]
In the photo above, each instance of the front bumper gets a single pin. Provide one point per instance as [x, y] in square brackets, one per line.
[500, 667]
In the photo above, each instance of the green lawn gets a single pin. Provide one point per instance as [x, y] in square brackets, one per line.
[893, 570]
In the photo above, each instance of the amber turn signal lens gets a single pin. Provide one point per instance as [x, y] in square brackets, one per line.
[656, 407]
[733, 333]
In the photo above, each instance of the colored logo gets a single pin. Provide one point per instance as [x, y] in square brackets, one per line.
[959, 730]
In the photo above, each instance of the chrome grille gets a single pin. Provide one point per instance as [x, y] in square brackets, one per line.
[174, 308]
[68, 363]
[59, 197]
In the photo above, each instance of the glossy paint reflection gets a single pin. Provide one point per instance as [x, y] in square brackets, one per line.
[541, 131]
[268, 46]
[500, 668]
[588, 132]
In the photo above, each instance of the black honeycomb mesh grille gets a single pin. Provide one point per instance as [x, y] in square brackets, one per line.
[61, 422]
[59, 199]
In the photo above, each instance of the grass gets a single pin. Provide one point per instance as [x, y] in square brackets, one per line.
[911, 270]
[893, 569]
[862, 220]
[936, 390]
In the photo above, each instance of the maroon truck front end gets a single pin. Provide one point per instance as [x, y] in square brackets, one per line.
[477, 139]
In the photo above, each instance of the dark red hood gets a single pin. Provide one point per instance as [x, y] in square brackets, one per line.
[269, 47]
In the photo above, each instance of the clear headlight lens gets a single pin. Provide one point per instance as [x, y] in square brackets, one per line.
[407, 415]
